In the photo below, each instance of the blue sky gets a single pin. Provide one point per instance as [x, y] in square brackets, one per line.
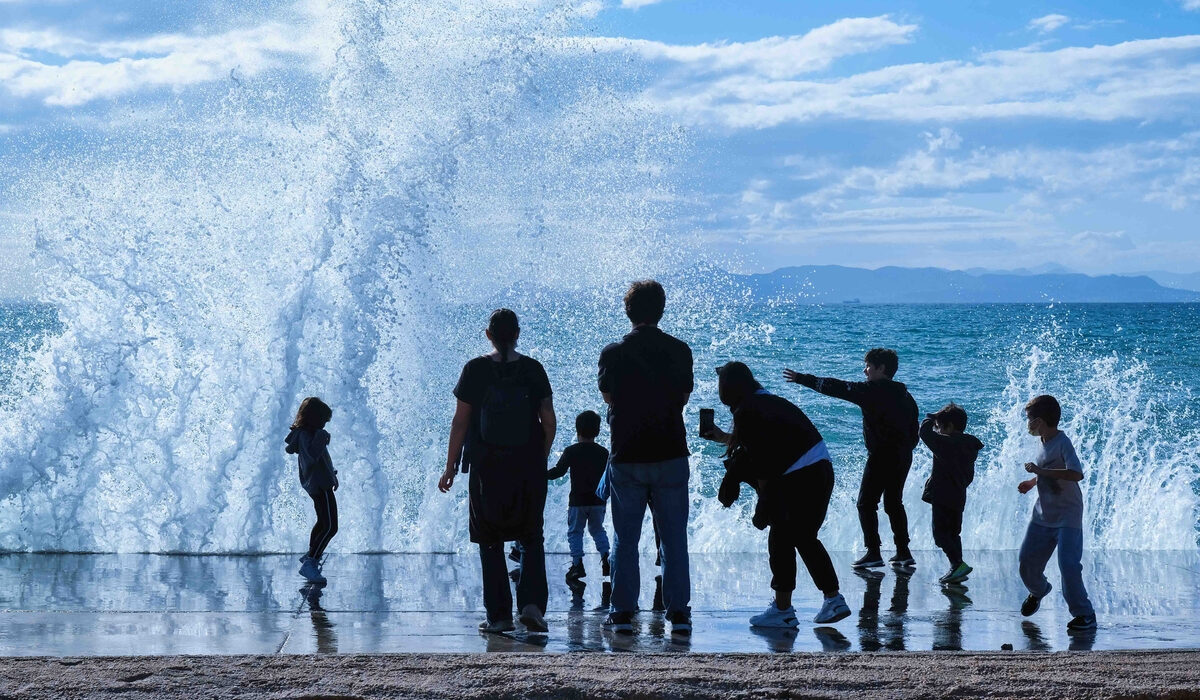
[982, 134]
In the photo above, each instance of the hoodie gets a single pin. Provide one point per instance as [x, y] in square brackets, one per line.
[316, 467]
[888, 410]
[953, 466]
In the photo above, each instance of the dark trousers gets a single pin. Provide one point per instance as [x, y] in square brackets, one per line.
[531, 585]
[947, 528]
[798, 502]
[327, 522]
[884, 477]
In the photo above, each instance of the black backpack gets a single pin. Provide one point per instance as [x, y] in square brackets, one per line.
[506, 413]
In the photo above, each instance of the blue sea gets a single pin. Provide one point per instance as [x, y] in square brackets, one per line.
[155, 430]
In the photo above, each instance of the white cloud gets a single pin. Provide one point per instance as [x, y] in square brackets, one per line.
[1191, 4]
[1049, 23]
[1143, 79]
[1102, 241]
[773, 57]
[105, 69]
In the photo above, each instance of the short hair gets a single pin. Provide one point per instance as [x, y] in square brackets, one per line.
[885, 357]
[587, 424]
[313, 414]
[952, 414]
[1045, 407]
[645, 301]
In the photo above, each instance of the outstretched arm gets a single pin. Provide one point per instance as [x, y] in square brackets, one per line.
[837, 388]
[1061, 474]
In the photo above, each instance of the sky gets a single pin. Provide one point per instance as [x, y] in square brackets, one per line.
[985, 134]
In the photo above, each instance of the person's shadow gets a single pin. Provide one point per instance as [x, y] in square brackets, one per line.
[322, 628]
[1037, 641]
[870, 638]
[947, 629]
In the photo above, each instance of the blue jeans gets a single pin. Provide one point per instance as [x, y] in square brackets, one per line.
[665, 486]
[1039, 544]
[591, 517]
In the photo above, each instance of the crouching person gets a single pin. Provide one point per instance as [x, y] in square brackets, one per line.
[775, 448]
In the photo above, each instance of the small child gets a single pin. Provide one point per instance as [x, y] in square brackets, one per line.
[1057, 516]
[954, 454]
[309, 442]
[586, 461]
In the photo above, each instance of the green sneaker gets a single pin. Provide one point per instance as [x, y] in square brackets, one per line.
[957, 574]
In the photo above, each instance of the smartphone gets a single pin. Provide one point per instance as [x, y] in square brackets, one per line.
[708, 421]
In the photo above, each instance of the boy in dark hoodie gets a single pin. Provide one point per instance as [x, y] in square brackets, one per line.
[890, 433]
[309, 442]
[954, 454]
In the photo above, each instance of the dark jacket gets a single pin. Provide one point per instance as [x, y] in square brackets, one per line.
[648, 375]
[770, 434]
[774, 432]
[316, 467]
[889, 411]
[586, 461]
[953, 466]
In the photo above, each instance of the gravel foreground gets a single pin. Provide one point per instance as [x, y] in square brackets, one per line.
[1164, 674]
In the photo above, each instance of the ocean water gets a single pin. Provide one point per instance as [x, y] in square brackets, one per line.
[115, 476]
[266, 240]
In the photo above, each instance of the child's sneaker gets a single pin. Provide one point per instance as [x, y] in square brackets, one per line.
[957, 574]
[575, 573]
[310, 572]
[1033, 602]
[489, 627]
[871, 560]
[532, 618]
[832, 610]
[774, 617]
[1081, 623]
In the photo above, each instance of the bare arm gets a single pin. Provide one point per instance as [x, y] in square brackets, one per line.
[549, 422]
[458, 435]
[1061, 474]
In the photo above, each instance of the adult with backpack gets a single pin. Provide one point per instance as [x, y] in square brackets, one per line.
[501, 434]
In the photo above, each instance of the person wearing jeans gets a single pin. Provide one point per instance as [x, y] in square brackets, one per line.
[590, 518]
[664, 486]
[646, 380]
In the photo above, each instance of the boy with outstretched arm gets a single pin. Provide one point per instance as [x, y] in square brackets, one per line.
[890, 433]
[1057, 521]
[954, 454]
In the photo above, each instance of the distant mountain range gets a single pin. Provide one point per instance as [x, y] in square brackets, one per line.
[824, 284]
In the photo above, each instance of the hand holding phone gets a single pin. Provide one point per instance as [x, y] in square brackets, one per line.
[708, 422]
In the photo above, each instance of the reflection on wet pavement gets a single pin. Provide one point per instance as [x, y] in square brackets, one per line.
[149, 604]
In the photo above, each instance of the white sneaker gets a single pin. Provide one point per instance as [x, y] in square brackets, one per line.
[774, 617]
[310, 572]
[832, 610]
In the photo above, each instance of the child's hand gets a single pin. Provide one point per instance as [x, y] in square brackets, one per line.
[447, 479]
[335, 482]
[1030, 467]
[1026, 486]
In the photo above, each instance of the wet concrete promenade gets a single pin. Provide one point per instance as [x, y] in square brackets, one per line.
[81, 605]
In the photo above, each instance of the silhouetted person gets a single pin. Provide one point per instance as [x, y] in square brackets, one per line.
[775, 447]
[890, 433]
[586, 462]
[954, 454]
[503, 429]
[309, 441]
[646, 380]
